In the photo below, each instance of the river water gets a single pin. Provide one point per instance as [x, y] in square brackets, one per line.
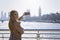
[33, 25]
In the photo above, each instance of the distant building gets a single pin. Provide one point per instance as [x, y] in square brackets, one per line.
[39, 12]
[8, 15]
[2, 16]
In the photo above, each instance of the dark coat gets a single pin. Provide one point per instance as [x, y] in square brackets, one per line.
[15, 30]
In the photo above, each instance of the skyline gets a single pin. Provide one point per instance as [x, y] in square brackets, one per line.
[47, 6]
[4, 15]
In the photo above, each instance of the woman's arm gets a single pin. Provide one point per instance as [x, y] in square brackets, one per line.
[20, 18]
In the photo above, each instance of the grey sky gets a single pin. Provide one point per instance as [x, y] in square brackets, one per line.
[47, 6]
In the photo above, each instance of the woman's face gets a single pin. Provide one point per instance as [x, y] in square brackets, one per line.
[16, 15]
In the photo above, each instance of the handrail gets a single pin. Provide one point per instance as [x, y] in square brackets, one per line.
[39, 35]
[34, 29]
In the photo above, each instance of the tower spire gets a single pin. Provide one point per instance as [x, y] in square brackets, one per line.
[39, 11]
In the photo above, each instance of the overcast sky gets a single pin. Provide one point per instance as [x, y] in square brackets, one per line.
[47, 6]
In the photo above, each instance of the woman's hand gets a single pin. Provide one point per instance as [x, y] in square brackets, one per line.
[20, 18]
[24, 14]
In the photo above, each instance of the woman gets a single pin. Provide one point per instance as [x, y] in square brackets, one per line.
[14, 25]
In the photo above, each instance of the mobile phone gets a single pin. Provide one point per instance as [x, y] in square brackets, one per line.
[27, 13]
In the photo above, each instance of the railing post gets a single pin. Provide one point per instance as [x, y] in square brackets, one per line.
[38, 35]
[2, 36]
